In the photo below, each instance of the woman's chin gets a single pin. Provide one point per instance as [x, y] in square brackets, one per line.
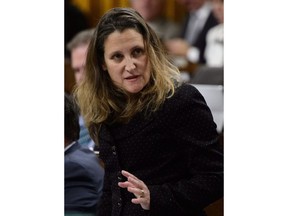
[134, 89]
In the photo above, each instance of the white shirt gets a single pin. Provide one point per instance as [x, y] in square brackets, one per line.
[214, 52]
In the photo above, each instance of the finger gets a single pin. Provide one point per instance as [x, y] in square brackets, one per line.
[125, 184]
[136, 182]
[138, 200]
[139, 193]
[127, 174]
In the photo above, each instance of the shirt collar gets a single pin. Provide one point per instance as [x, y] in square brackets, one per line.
[69, 146]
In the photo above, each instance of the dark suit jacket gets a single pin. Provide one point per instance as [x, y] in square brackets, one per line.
[83, 180]
[174, 151]
[200, 42]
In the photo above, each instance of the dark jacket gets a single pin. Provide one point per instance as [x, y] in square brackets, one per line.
[83, 180]
[174, 152]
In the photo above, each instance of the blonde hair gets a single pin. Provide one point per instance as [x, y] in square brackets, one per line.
[100, 101]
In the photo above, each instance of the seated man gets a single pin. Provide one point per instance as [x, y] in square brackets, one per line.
[83, 172]
[78, 48]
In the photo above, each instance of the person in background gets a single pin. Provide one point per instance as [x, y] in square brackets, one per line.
[83, 172]
[214, 52]
[153, 13]
[193, 42]
[157, 137]
[78, 48]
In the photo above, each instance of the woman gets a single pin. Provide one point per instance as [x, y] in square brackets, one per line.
[157, 137]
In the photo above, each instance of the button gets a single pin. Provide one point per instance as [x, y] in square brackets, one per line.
[119, 204]
[114, 150]
[119, 176]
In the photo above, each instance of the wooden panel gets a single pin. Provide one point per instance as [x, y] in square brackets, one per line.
[95, 9]
[83, 5]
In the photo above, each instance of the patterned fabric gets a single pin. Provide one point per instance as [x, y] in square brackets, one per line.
[174, 151]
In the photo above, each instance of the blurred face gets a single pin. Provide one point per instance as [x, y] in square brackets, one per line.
[126, 60]
[149, 9]
[218, 10]
[192, 5]
[78, 60]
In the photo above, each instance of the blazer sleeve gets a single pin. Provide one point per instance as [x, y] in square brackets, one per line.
[194, 130]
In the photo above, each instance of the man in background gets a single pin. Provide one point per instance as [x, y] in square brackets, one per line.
[83, 172]
[78, 48]
[192, 44]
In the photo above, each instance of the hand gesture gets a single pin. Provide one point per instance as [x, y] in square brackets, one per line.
[138, 188]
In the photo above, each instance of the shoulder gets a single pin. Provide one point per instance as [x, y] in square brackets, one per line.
[185, 99]
[188, 112]
[86, 165]
[82, 157]
[186, 93]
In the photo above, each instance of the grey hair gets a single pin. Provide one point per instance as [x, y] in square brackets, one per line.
[81, 38]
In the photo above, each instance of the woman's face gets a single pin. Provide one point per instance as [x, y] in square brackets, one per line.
[126, 60]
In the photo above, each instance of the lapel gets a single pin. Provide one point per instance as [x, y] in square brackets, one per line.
[210, 22]
[73, 148]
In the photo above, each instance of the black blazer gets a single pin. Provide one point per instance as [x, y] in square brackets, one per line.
[200, 42]
[83, 180]
[174, 152]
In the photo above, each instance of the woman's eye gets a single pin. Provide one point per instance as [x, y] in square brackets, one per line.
[117, 57]
[137, 52]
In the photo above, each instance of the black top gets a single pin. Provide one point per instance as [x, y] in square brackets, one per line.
[174, 152]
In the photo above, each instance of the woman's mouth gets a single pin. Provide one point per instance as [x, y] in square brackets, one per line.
[131, 78]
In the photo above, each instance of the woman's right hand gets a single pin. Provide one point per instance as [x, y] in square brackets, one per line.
[138, 188]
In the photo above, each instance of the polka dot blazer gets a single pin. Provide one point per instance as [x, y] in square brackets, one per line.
[174, 151]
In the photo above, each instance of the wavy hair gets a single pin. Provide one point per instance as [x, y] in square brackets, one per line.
[100, 101]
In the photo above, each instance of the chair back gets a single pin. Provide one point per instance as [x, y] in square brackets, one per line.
[208, 75]
[214, 97]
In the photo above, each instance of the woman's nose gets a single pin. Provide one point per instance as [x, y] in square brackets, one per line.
[130, 65]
